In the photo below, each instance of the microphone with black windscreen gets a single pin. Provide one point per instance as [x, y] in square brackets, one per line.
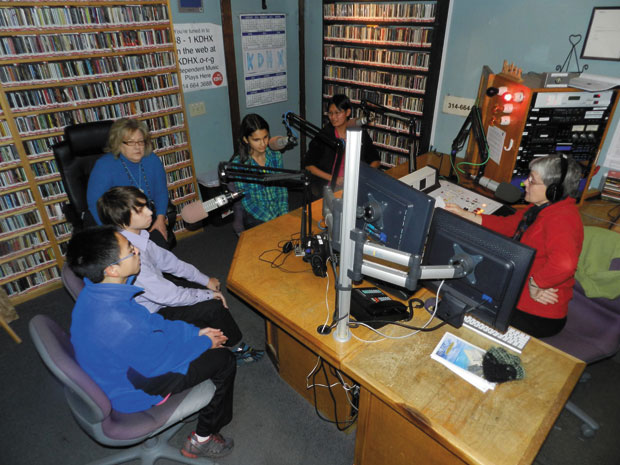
[504, 191]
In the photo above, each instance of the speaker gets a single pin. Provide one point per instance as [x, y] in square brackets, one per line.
[555, 191]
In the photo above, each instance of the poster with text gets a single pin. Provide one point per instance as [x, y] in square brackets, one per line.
[201, 56]
[263, 39]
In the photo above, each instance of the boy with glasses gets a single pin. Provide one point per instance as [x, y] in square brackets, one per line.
[136, 357]
[126, 208]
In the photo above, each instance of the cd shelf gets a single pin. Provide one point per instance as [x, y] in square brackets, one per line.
[387, 53]
[71, 62]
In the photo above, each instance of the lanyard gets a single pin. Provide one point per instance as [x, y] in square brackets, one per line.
[134, 180]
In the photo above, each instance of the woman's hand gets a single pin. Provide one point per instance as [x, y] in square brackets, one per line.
[471, 216]
[542, 296]
[216, 335]
[160, 225]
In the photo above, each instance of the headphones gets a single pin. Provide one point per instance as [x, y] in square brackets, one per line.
[555, 191]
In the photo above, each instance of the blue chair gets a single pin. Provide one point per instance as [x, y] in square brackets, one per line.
[148, 431]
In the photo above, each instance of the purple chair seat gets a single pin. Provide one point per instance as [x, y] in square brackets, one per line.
[592, 330]
[148, 430]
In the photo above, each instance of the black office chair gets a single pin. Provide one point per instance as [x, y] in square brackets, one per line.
[75, 157]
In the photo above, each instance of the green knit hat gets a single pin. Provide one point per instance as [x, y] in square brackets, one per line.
[499, 366]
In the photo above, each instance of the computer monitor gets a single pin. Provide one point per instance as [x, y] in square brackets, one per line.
[498, 278]
[392, 213]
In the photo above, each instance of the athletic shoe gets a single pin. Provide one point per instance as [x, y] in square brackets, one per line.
[214, 447]
[247, 354]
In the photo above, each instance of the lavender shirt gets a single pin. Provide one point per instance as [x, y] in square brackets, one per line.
[158, 291]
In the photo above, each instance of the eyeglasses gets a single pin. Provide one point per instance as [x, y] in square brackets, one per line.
[133, 143]
[532, 182]
[132, 251]
[335, 113]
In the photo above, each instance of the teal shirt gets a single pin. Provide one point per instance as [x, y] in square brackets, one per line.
[264, 201]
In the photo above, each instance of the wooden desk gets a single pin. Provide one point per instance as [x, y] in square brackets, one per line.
[410, 406]
[294, 304]
[426, 411]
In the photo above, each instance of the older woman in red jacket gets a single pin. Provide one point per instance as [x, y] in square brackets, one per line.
[551, 225]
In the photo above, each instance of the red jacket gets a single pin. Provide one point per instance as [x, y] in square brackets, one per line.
[557, 236]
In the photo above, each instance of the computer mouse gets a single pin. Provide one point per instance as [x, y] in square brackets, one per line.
[287, 247]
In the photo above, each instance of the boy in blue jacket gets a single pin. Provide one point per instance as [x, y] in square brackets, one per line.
[136, 357]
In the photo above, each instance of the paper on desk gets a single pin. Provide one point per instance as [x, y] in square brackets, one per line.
[593, 82]
[462, 358]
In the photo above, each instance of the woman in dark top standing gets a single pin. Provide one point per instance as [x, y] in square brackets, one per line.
[321, 158]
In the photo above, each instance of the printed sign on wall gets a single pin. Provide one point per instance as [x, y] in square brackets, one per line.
[200, 48]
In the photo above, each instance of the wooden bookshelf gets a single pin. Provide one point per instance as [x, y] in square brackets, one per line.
[387, 53]
[63, 63]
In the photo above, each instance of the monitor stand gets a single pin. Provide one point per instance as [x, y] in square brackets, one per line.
[392, 289]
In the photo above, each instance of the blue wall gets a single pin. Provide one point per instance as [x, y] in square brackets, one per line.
[211, 134]
[273, 113]
[530, 33]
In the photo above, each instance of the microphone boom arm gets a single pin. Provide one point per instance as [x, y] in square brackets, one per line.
[376, 108]
[228, 171]
[313, 132]
[473, 124]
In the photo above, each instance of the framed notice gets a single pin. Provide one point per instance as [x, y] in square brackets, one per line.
[263, 41]
[603, 37]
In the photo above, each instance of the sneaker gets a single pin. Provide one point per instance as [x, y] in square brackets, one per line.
[247, 354]
[214, 447]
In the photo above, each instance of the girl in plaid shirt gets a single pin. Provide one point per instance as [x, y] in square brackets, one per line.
[262, 202]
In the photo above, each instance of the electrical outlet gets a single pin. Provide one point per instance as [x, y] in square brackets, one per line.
[197, 109]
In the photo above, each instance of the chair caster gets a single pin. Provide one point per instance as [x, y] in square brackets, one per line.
[587, 431]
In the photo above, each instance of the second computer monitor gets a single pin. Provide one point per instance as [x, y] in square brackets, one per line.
[391, 212]
[494, 287]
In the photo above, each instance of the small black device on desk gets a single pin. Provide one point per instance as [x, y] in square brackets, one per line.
[371, 306]
[316, 252]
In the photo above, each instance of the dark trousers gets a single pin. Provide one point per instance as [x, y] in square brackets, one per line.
[536, 326]
[158, 239]
[249, 221]
[207, 314]
[220, 366]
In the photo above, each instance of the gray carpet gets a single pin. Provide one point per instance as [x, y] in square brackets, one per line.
[272, 424]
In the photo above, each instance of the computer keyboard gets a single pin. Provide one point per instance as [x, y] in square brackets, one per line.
[513, 338]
